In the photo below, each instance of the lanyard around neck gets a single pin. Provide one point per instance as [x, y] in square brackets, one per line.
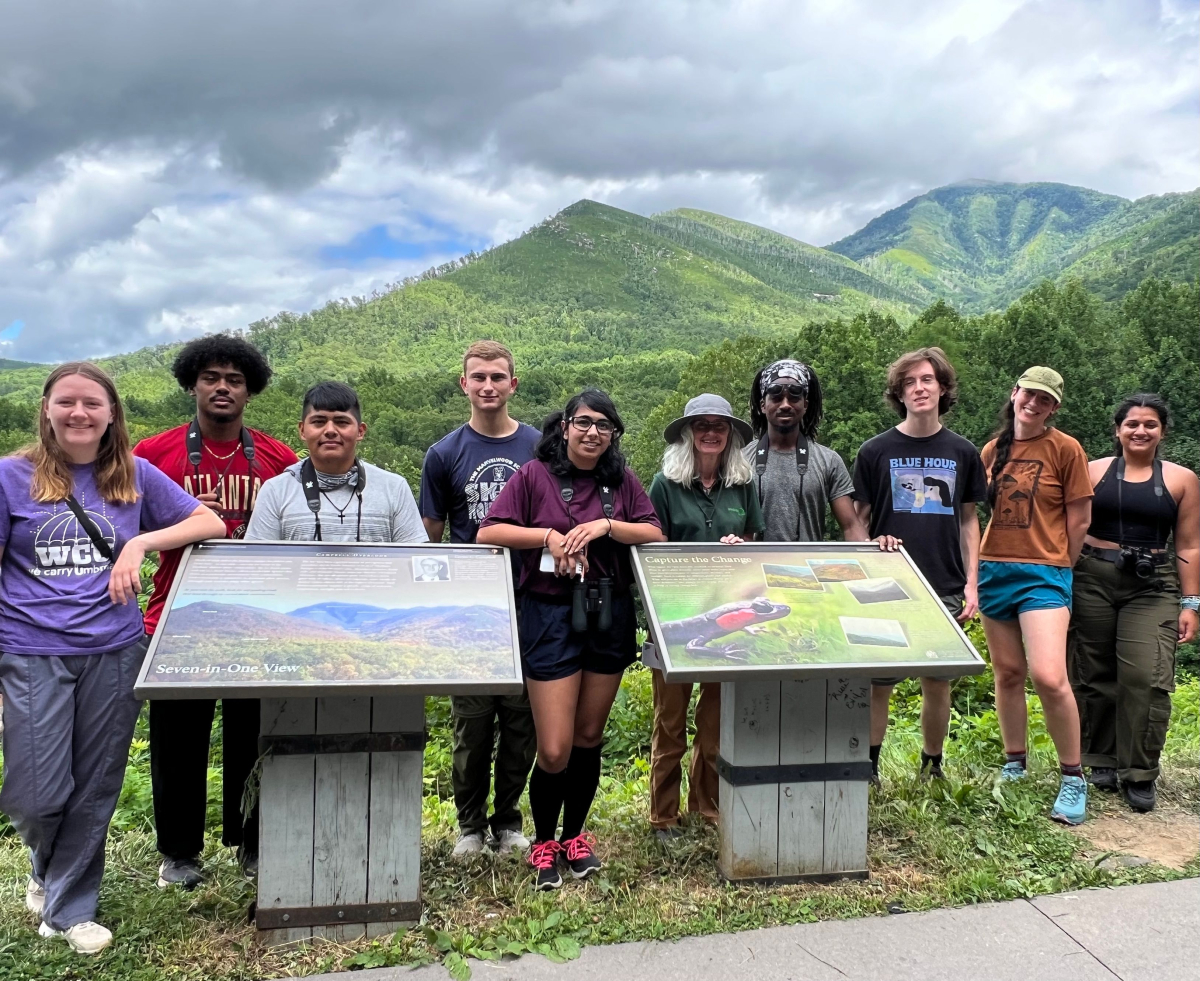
[310, 484]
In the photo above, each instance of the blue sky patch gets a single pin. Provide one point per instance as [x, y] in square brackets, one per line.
[12, 331]
[378, 243]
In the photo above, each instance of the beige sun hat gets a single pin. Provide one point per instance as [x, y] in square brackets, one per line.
[707, 405]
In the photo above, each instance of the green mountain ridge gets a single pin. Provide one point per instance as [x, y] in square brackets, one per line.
[980, 244]
[656, 308]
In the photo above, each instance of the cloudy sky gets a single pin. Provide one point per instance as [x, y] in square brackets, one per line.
[168, 169]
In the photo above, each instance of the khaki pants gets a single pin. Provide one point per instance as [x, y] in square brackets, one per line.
[1121, 658]
[668, 744]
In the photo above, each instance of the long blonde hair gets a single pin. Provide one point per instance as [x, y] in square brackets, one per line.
[679, 460]
[114, 467]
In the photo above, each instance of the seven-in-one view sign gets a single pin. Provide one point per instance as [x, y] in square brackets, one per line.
[276, 618]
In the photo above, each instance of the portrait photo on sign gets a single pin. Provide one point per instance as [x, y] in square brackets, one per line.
[431, 568]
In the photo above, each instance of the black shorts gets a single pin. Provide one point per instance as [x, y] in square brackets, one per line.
[551, 650]
[954, 603]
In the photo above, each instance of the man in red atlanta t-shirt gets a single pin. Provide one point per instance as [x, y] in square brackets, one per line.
[222, 373]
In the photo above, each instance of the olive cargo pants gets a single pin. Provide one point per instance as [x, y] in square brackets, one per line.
[669, 743]
[1122, 664]
[475, 718]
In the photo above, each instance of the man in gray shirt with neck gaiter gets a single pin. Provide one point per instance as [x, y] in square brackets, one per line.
[358, 502]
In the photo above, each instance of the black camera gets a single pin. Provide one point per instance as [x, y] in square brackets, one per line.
[1139, 561]
[591, 596]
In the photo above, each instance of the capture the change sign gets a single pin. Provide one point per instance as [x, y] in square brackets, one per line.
[276, 618]
[723, 612]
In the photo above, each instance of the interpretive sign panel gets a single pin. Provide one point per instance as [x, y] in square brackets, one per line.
[269, 619]
[724, 612]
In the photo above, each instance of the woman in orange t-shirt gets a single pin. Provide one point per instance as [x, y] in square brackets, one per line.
[1041, 501]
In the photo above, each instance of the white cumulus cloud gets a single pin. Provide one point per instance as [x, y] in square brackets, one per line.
[169, 169]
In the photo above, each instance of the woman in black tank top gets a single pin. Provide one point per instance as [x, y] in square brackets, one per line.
[1128, 614]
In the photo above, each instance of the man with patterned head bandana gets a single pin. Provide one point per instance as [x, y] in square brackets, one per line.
[797, 478]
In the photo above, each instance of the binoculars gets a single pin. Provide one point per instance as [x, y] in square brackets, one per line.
[591, 596]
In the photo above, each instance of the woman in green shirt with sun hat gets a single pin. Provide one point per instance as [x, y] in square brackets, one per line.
[704, 493]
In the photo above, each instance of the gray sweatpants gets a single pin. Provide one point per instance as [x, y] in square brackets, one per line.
[68, 723]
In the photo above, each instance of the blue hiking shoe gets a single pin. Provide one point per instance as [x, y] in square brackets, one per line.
[1012, 771]
[1071, 806]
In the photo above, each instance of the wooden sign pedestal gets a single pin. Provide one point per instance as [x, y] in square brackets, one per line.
[794, 768]
[340, 817]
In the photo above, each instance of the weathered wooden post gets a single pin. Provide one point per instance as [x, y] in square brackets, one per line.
[340, 817]
[794, 769]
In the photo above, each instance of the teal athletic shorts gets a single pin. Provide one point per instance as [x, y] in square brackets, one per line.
[1007, 589]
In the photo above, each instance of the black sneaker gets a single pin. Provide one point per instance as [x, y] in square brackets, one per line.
[667, 835]
[1104, 778]
[580, 858]
[931, 766]
[543, 856]
[183, 872]
[1140, 794]
[248, 862]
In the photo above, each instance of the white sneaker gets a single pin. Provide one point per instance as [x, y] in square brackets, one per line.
[35, 897]
[84, 938]
[469, 845]
[511, 842]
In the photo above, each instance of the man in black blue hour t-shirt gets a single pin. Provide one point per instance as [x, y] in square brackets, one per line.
[918, 483]
[462, 476]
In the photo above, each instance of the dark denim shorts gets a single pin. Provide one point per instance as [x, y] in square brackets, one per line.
[551, 650]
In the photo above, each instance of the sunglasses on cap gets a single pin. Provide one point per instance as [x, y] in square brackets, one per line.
[793, 392]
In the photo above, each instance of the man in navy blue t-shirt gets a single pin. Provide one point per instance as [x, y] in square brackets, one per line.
[463, 474]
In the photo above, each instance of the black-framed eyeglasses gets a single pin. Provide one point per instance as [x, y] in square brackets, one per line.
[584, 423]
[793, 393]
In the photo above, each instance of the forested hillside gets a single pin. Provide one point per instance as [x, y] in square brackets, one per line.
[657, 309]
[979, 245]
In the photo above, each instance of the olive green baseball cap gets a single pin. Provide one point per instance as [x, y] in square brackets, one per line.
[1043, 379]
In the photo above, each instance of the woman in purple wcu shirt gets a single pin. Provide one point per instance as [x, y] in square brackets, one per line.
[78, 513]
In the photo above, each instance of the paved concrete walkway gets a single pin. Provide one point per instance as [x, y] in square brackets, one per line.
[1131, 933]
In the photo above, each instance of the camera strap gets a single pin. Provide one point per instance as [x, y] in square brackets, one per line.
[88, 525]
[311, 486]
[566, 491]
[1157, 471]
[763, 448]
[195, 453]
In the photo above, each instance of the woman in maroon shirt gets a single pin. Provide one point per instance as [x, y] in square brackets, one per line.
[573, 510]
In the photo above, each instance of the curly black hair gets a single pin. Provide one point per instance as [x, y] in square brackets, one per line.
[219, 349]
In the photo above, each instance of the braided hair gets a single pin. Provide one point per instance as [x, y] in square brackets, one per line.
[812, 414]
[1004, 435]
